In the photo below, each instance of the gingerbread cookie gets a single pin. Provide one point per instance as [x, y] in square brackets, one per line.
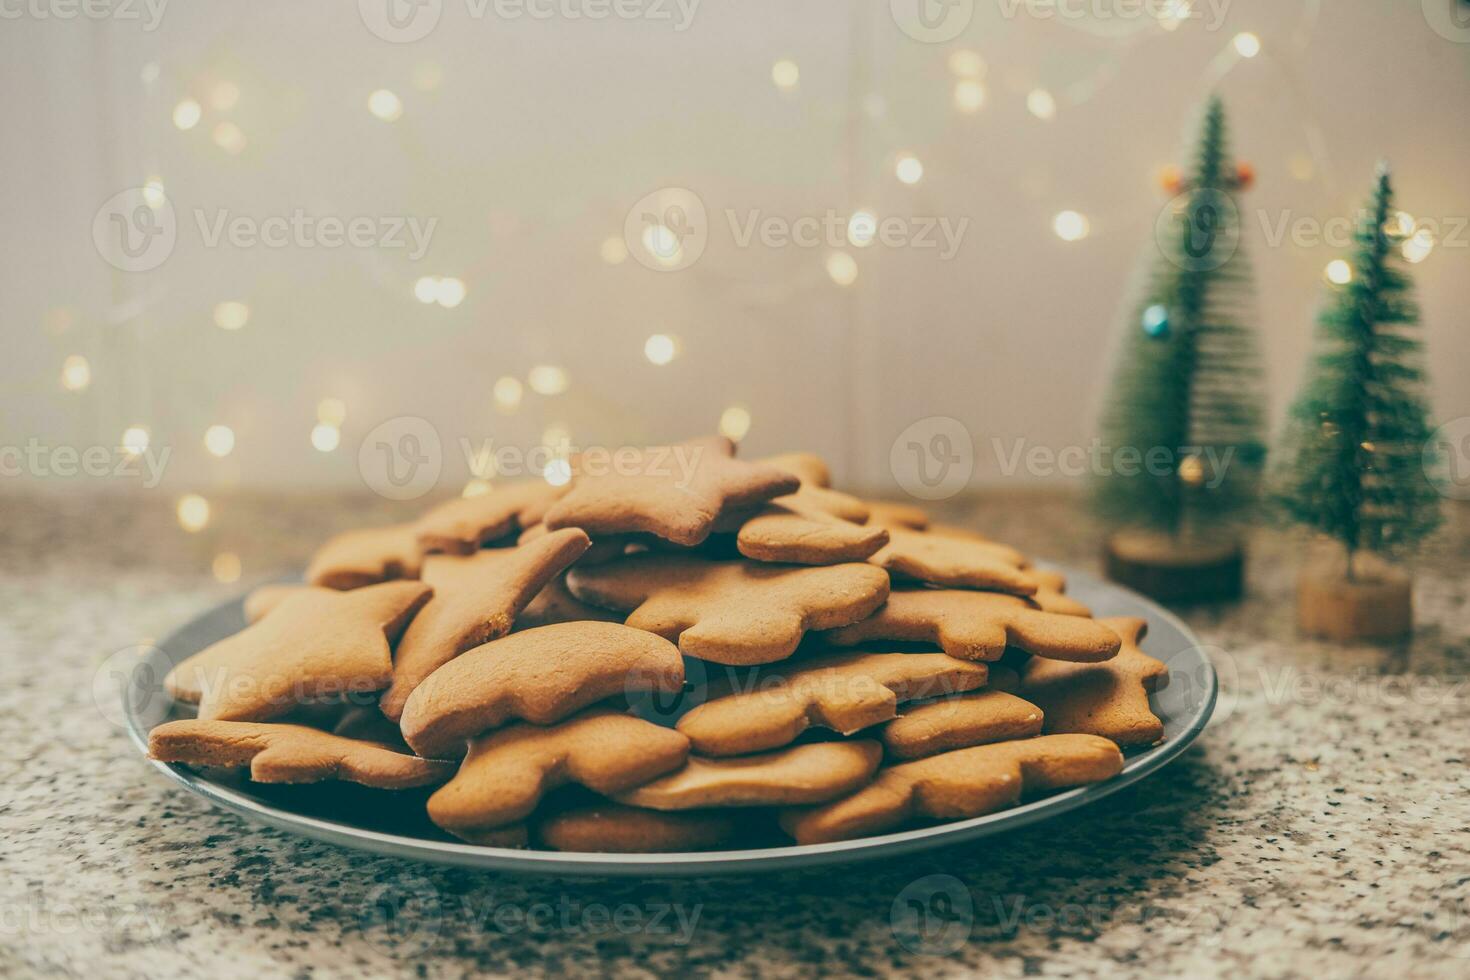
[554, 604]
[603, 549]
[476, 599]
[956, 723]
[890, 514]
[316, 645]
[291, 754]
[267, 597]
[612, 828]
[366, 723]
[515, 835]
[674, 492]
[1051, 595]
[815, 492]
[507, 771]
[809, 468]
[955, 562]
[979, 626]
[957, 785]
[353, 559]
[1108, 699]
[541, 676]
[731, 612]
[790, 530]
[462, 526]
[787, 777]
[843, 692]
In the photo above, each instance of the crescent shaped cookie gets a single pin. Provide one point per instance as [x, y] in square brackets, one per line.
[541, 676]
[476, 599]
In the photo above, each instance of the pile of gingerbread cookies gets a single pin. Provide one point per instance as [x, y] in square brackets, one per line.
[684, 651]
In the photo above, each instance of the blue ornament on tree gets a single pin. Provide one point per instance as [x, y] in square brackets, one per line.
[1156, 321]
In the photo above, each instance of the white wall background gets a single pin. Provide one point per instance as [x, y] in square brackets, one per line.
[538, 137]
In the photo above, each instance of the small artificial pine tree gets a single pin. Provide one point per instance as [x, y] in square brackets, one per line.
[1186, 394]
[1354, 466]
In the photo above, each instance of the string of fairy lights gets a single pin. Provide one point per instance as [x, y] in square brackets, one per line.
[969, 94]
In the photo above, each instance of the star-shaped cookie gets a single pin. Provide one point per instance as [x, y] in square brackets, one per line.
[675, 492]
[366, 556]
[314, 646]
[476, 599]
[731, 612]
[461, 526]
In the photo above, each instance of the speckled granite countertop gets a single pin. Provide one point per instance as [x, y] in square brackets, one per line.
[1318, 829]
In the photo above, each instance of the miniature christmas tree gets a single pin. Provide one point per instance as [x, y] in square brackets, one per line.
[1354, 466]
[1183, 424]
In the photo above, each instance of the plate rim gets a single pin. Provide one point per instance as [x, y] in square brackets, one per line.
[687, 863]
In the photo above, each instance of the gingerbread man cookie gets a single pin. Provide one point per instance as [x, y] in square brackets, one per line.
[955, 562]
[979, 626]
[957, 785]
[956, 723]
[843, 692]
[731, 612]
[1108, 699]
[506, 772]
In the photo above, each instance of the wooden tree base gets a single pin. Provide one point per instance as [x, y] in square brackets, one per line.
[1176, 570]
[1377, 605]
